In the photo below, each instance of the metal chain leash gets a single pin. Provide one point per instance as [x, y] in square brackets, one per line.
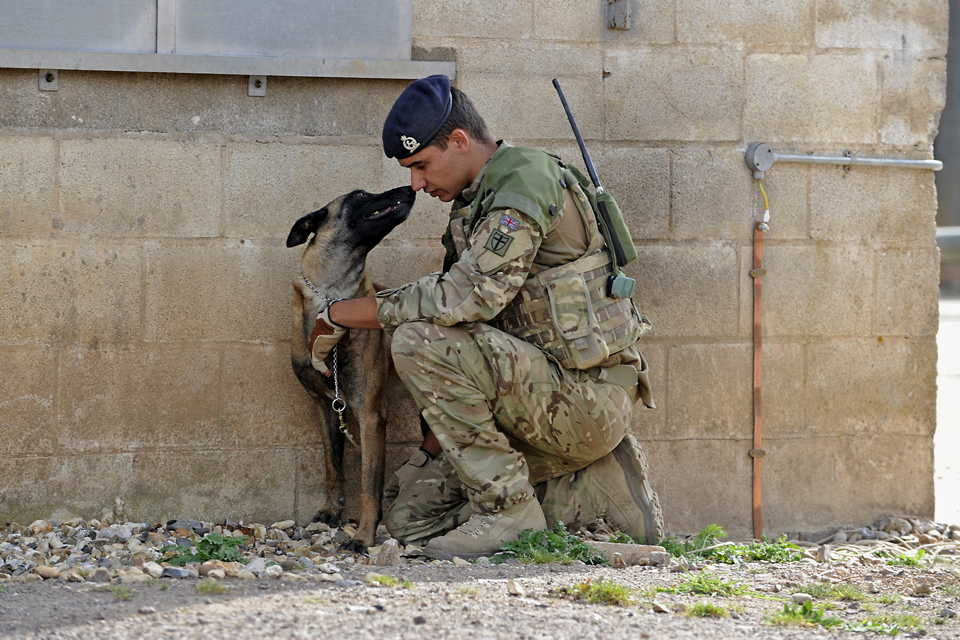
[338, 404]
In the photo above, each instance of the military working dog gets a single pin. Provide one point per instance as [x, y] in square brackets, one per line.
[334, 266]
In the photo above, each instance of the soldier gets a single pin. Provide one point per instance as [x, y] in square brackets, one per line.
[526, 381]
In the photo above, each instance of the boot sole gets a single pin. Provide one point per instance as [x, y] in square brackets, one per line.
[634, 464]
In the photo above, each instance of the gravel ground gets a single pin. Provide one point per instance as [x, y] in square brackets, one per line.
[475, 601]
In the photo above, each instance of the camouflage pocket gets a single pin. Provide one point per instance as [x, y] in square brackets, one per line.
[573, 316]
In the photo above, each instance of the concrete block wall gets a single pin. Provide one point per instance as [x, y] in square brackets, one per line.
[144, 315]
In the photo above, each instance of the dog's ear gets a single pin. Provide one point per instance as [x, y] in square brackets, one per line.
[306, 225]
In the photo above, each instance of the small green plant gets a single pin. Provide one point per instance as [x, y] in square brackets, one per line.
[466, 591]
[903, 559]
[805, 615]
[707, 584]
[952, 589]
[708, 536]
[120, 591]
[872, 626]
[828, 591]
[707, 610]
[600, 592]
[889, 598]
[622, 538]
[704, 546]
[210, 587]
[556, 545]
[906, 621]
[212, 546]
[389, 581]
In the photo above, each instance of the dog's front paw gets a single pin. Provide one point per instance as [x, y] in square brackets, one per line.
[354, 546]
[330, 517]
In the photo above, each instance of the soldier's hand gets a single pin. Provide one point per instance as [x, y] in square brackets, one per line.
[324, 337]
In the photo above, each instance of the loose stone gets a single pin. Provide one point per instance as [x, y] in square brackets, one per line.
[48, 573]
[800, 598]
[175, 572]
[389, 555]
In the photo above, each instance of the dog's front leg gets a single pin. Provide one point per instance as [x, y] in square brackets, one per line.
[371, 419]
[333, 462]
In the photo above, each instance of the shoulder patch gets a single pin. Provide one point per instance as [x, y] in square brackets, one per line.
[499, 242]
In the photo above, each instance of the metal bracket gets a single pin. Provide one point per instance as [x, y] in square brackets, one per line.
[757, 273]
[257, 86]
[853, 160]
[49, 80]
[756, 453]
[618, 14]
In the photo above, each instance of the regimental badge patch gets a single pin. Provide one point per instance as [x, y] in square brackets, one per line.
[498, 243]
[509, 223]
[409, 143]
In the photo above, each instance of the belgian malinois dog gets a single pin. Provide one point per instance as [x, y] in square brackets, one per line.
[334, 267]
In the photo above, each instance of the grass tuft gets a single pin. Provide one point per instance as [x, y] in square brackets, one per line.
[707, 584]
[120, 591]
[210, 587]
[600, 592]
[707, 610]
[805, 615]
[556, 545]
[765, 550]
[827, 591]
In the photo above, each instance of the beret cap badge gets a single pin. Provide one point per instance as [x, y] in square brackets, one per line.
[409, 143]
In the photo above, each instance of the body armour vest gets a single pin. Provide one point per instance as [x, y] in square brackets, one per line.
[563, 310]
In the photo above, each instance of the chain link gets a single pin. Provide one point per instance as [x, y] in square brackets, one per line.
[338, 404]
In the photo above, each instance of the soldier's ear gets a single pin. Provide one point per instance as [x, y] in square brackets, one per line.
[306, 225]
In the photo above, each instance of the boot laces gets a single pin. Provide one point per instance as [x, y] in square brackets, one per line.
[477, 523]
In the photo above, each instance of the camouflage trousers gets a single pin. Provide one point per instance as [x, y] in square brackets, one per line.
[506, 417]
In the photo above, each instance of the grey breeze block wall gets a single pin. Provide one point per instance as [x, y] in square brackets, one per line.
[144, 306]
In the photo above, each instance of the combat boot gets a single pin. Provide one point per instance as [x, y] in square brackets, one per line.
[621, 492]
[484, 534]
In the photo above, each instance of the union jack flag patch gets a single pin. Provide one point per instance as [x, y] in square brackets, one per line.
[509, 223]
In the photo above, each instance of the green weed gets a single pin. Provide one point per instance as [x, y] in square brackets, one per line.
[889, 598]
[466, 591]
[765, 550]
[389, 581]
[828, 591]
[872, 626]
[212, 546]
[556, 545]
[904, 559]
[707, 584]
[622, 538]
[952, 589]
[805, 615]
[600, 592]
[707, 610]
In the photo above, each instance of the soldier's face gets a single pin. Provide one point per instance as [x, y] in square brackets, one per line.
[440, 173]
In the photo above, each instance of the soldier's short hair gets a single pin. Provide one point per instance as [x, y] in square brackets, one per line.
[463, 115]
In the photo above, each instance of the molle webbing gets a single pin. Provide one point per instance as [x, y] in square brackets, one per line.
[529, 316]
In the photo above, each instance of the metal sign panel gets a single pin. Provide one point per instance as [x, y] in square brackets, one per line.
[64, 25]
[346, 29]
[331, 29]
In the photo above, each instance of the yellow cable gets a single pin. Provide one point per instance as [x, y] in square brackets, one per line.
[766, 203]
[762, 226]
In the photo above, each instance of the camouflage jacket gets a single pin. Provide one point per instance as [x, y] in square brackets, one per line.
[504, 246]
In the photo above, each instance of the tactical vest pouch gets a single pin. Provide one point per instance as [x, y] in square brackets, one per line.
[567, 313]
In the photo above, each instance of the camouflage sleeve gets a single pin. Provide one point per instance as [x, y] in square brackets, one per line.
[478, 286]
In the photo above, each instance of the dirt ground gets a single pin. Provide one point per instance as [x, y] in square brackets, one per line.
[475, 602]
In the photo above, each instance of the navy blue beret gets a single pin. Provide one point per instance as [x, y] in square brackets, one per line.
[417, 116]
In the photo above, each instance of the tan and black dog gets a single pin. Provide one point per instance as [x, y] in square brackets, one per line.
[334, 267]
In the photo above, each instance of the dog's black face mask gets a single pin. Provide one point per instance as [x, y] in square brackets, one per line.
[359, 219]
